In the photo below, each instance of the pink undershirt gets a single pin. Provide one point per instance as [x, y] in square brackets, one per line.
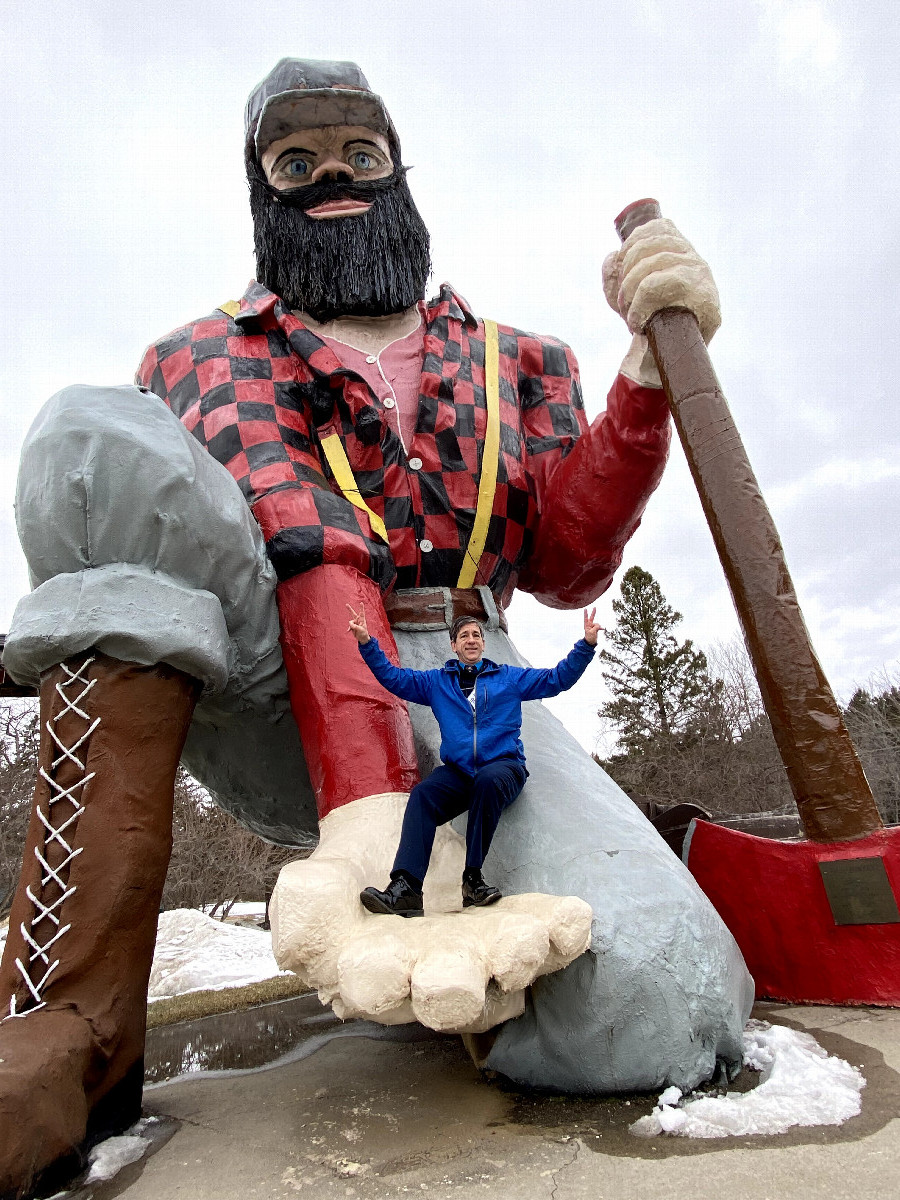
[393, 375]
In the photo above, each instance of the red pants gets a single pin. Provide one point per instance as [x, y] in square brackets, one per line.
[357, 737]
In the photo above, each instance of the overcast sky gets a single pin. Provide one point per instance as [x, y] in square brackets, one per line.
[767, 129]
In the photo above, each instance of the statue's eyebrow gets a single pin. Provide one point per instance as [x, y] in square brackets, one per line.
[363, 142]
[292, 150]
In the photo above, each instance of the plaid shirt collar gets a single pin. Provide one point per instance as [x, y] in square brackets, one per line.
[262, 309]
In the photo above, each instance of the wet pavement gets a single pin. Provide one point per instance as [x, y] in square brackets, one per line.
[233, 1041]
[356, 1110]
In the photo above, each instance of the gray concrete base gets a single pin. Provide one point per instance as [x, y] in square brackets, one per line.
[374, 1118]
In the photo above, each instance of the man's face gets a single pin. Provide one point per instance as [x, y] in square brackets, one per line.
[332, 152]
[468, 645]
[336, 231]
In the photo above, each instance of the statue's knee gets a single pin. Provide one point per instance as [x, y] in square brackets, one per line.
[85, 427]
[92, 463]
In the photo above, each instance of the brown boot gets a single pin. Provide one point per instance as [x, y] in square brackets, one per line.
[73, 979]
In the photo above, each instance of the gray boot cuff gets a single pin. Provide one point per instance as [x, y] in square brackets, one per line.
[128, 612]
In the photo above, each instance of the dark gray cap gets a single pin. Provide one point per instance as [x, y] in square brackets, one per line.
[306, 93]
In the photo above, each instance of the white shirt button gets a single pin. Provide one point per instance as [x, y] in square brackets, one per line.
[425, 546]
[389, 403]
[370, 358]
[416, 465]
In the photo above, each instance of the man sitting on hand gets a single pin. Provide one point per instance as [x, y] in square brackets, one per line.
[478, 706]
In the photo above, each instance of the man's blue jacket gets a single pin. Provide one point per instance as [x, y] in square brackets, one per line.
[472, 736]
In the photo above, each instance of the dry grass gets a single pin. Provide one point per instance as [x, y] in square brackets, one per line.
[204, 1004]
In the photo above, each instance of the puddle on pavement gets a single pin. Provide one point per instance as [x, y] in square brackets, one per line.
[256, 1037]
[236, 1041]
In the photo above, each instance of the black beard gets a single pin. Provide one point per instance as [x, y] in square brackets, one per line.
[363, 266]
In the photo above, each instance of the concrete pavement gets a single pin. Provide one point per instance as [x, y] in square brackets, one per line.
[368, 1114]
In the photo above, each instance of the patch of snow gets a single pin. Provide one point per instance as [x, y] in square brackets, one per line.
[671, 1120]
[801, 1084]
[195, 953]
[109, 1157]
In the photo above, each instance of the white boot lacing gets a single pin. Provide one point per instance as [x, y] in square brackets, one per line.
[59, 824]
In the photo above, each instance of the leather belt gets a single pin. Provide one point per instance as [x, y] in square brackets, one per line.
[420, 609]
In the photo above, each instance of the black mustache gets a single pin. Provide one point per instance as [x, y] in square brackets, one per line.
[313, 194]
[375, 264]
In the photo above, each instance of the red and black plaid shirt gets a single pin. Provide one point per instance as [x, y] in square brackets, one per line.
[260, 390]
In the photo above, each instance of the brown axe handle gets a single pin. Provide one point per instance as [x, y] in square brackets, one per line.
[832, 793]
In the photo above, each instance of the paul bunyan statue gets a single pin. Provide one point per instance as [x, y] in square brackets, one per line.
[193, 542]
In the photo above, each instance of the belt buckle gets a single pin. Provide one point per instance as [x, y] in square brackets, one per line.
[447, 604]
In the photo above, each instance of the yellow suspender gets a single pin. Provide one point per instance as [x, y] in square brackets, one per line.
[337, 459]
[487, 484]
[343, 477]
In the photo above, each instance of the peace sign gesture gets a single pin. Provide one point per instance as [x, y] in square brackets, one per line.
[591, 627]
[358, 624]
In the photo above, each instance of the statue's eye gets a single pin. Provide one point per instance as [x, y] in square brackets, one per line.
[297, 167]
[362, 161]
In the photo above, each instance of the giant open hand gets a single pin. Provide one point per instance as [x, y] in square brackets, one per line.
[453, 970]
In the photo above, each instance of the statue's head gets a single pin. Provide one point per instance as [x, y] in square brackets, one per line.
[336, 230]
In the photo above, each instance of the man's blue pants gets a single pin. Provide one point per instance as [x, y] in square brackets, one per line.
[445, 794]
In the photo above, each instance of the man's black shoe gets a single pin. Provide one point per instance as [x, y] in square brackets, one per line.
[476, 893]
[399, 899]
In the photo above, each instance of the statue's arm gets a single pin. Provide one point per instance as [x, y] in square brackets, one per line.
[591, 497]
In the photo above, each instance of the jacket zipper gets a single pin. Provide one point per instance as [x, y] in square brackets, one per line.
[475, 725]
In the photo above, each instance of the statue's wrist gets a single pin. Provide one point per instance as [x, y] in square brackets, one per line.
[639, 364]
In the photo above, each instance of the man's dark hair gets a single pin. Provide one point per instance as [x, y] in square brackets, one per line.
[461, 622]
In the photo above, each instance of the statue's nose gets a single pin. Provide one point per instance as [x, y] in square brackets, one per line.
[331, 168]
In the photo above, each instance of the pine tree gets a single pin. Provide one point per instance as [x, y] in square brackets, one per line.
[662, 689]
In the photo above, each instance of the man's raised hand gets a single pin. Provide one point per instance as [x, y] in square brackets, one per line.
[591, 627]
[358, 624]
